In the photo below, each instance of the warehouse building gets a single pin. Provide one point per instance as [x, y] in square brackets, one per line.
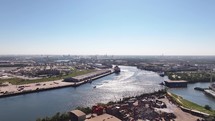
[176, 83]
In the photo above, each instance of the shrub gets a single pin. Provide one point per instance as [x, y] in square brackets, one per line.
[207, 107]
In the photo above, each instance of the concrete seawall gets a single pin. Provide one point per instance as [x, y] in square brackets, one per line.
[65, 84]
[92, 79]
[210, 92]
[194, 112]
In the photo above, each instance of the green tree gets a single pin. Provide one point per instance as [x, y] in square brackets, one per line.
[207, 107]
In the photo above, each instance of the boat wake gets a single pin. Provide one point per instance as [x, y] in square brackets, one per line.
[124, 76]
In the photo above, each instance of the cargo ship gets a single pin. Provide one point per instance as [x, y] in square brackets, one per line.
[116, 69]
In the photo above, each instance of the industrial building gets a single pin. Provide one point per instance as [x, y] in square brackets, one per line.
[104, 117]
[87, 76]
[176, 83]
[77, 115]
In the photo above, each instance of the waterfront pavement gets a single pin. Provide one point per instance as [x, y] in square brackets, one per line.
[34, 87]
[11, 89]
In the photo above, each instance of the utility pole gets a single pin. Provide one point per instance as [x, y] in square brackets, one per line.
[211, 77]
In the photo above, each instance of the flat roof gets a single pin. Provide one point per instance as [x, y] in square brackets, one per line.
[89, 74]
[78, 113]
[104, 117]
[175, 81]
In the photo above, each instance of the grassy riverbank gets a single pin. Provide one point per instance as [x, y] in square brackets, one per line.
[188, 104]
[191, 76]
[18, 81]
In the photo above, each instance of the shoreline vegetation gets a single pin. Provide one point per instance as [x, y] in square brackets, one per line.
[191, 77]
[190, 105]
[18, 81]
[177, 100]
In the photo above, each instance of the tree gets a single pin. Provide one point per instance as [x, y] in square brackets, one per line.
[207, 107]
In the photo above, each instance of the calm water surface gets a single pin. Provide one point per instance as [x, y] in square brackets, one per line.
[194, 95]
[130, 82]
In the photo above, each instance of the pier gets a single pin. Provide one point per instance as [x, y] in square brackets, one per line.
[13, 90]
[210, 92]
[88, 76]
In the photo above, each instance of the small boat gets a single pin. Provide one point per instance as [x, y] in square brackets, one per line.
[199, 88]
[89, 81]
[161, 83]
[94, 87]
[162, 74]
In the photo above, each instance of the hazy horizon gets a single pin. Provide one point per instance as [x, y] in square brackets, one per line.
[139, 27]
[105, 55]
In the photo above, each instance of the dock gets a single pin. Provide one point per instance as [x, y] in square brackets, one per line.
[88, 76]
[210, 92]
[176, 83]
[13, 90]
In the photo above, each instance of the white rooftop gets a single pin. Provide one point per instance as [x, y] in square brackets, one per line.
[104, 117]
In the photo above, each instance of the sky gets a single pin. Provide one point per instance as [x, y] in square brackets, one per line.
[112, 27]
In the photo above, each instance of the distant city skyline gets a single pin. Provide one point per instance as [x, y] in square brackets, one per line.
[98, 27]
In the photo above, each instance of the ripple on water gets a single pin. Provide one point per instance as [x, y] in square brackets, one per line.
[130, 82]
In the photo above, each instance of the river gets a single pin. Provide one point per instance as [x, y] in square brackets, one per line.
[195, 96]
[130, 82]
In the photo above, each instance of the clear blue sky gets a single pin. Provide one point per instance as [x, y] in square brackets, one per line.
[113, 27]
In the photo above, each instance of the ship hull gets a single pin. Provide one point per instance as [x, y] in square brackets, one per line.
[116, 69]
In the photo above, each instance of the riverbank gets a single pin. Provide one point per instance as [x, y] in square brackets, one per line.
[193, 108]
[190, 76]
[13, 90]
[19, 81]
[207, 91]
[151, 106]
[130, 82]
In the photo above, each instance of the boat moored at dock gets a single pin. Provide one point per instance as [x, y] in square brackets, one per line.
[117, 69]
